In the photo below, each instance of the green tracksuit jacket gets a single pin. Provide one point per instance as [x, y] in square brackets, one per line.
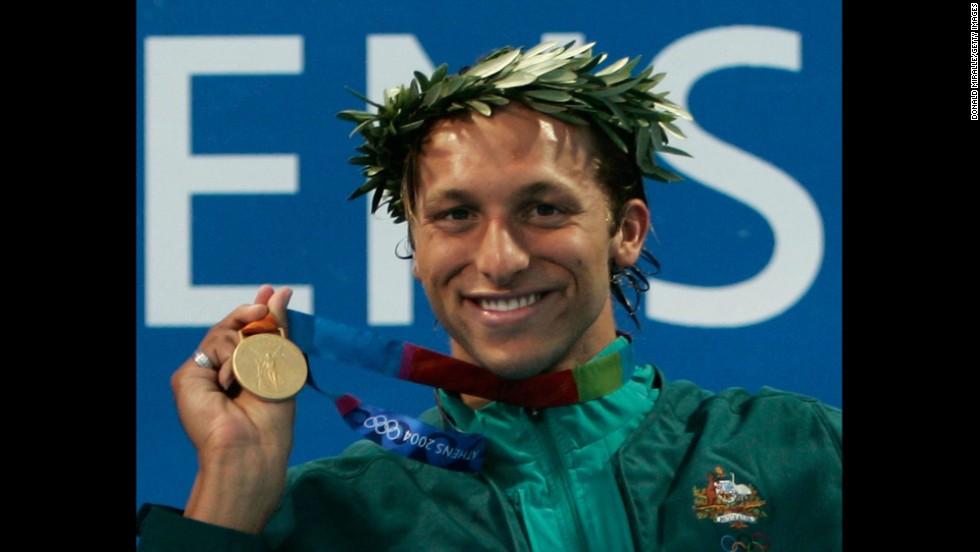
[676, 468]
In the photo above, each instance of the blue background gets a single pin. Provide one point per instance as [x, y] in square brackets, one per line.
[791, 119]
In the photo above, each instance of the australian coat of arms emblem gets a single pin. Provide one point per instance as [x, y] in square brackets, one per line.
[725, 500]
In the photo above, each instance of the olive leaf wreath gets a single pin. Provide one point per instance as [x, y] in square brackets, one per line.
[552, 79]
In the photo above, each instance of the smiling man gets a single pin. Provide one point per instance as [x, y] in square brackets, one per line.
[514, 235]
[521, 181]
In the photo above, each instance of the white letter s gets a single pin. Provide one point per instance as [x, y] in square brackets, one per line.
[790, 211]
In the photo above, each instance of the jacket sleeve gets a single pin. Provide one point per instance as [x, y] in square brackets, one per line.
[165, 529]
[834, 420]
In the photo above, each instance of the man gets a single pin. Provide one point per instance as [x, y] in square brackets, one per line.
[526, 218]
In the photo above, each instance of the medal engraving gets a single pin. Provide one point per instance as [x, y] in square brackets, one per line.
[269, 366]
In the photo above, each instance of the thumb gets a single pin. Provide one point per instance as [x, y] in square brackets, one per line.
[278, 304]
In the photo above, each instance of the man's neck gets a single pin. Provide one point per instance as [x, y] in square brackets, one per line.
[474, 402]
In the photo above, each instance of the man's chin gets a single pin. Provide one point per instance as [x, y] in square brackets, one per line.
[522, 368]
[506, 359]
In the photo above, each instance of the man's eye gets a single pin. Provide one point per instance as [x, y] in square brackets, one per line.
[456, 214]
[544, 210]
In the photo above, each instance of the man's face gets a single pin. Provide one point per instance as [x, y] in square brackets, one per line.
[513, 241]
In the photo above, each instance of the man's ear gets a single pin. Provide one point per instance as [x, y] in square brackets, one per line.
[632, 233]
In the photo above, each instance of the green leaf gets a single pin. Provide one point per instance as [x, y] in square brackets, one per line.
[515, 79]
[663, 175]
[642, 87]
[366, 187]
[528, 61]
[483, 108]
[362, 96]
[378, 195]
[613, 68]
[585, 65]
[439, 74]
[657, 138]
[644, 74]
[549, 95]
[643, 82]
[452, 85]
[541, 48]
[621, 118]
[569, 117]
[543, 107]
[433, 94]
[494, 99]
[494, 66]
[391, 94]
[355, 115]
[360, 127]
[675, 151]
[676, 110]
[543, 67]
[410, 126]
[673, 130]
[614, 90]
[622, 73]
[576, 51]
[559, 76]
[643, 149]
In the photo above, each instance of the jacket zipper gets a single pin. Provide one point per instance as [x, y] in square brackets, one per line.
[556, 467]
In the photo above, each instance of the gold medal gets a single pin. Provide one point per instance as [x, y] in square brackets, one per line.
[269, 365]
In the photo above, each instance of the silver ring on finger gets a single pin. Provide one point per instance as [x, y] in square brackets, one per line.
[202, 359]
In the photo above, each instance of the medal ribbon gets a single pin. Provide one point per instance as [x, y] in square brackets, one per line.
[450, 448]
[337, 342]
[407, 436]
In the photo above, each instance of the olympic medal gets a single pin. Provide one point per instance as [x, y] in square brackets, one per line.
[269, 366]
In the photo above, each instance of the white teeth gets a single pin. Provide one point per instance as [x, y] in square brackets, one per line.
[504, 305]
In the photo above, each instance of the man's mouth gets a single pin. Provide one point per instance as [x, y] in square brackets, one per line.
[514, 303]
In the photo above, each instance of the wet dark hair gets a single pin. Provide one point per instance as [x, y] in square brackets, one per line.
[618, 172]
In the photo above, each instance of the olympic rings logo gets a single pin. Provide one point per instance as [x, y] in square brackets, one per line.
[381, 425]
[758, 542]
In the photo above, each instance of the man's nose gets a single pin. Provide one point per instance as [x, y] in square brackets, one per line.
[500, 255]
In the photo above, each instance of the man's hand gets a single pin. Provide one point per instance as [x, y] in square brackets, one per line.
[243, 442]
